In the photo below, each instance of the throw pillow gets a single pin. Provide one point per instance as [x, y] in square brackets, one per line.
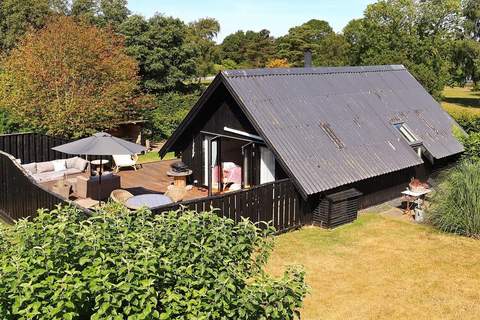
[45, 166]
[59, 165]
[80, 164]
[71, 162]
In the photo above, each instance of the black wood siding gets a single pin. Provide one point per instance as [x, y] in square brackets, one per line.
[220, 111]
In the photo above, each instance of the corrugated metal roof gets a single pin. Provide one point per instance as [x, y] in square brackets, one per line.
[334, 126]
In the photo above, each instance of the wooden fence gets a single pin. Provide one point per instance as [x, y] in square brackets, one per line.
[35, 147]
[20, 195]
[276, 202]
[32, 147]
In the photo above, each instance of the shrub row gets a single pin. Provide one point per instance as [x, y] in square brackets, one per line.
[467, 118]
[118, 265]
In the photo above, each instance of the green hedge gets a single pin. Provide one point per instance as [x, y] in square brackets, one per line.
[170, 111]
[119, 265]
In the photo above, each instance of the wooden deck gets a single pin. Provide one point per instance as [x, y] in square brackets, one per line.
[152, 178]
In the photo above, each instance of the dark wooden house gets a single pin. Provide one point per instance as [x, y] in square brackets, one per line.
[354, 132]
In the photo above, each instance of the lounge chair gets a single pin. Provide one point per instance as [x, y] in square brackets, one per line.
[125, 160]
[120, 196]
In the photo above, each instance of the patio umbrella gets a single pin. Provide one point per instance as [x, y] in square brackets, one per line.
[100, 144]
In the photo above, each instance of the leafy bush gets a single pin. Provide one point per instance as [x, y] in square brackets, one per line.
[471, 143]
[456, 202]
[6, 123]
[118, 264]
[171, 110]
[468, 118]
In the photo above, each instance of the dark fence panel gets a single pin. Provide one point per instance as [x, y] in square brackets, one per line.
[32, 147]
[20, 196]
[277, 202]
[35, 147]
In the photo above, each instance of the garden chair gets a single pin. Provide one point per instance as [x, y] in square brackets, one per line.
[120, 196]
[125, 160]
[176, 193]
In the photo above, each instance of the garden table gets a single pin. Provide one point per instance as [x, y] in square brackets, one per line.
[414, 197]
[147, 200]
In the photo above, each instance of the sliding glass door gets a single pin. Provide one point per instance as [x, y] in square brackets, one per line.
[211, 164]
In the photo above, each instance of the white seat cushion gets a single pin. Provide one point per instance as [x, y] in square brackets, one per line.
[59, 165]
[123, 160]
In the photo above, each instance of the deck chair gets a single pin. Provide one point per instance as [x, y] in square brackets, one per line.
[125, 160]
[120, 196]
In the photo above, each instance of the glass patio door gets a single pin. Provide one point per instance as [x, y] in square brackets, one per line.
[267, 166]
[212, 168]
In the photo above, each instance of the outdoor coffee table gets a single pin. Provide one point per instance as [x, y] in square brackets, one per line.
[147, 200]
[99, 163]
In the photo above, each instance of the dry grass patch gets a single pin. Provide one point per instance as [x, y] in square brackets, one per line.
[458, 101]
[382, 267]
[459, 92]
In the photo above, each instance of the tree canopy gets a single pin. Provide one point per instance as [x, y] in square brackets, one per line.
[17, 16]
[248, 49]
[328, 48]
[202, 34]
[437, 40]
[69, 79]
[414, 33]
[165, 57]
[471, 12]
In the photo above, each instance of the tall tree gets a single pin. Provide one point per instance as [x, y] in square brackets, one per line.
[114, 12]
[101, 12]
[471, 12]
[17, 16]
[417, 34]
[203, 33]
[167, 60]
[317, 36]
[248, 49]
[466, 62]
[69, 79]
[466, 50]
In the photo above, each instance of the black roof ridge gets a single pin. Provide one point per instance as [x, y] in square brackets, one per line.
[310, 71]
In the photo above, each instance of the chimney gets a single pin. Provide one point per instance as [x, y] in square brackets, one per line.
[307, 59]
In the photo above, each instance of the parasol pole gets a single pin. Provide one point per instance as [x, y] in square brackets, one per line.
[100, 181]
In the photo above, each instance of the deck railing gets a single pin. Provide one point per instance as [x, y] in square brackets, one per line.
[32, 147]
[20, 195]
[35, 147]
[276, 202]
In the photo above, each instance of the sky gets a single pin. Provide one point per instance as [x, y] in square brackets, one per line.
[275, 15]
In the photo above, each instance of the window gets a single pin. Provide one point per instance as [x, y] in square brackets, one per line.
[406, 132]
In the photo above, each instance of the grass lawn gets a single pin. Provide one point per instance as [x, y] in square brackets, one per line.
[460, 100]
[383, 267]
[153, 156]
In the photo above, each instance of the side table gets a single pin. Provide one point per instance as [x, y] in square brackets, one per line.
[179, 178]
